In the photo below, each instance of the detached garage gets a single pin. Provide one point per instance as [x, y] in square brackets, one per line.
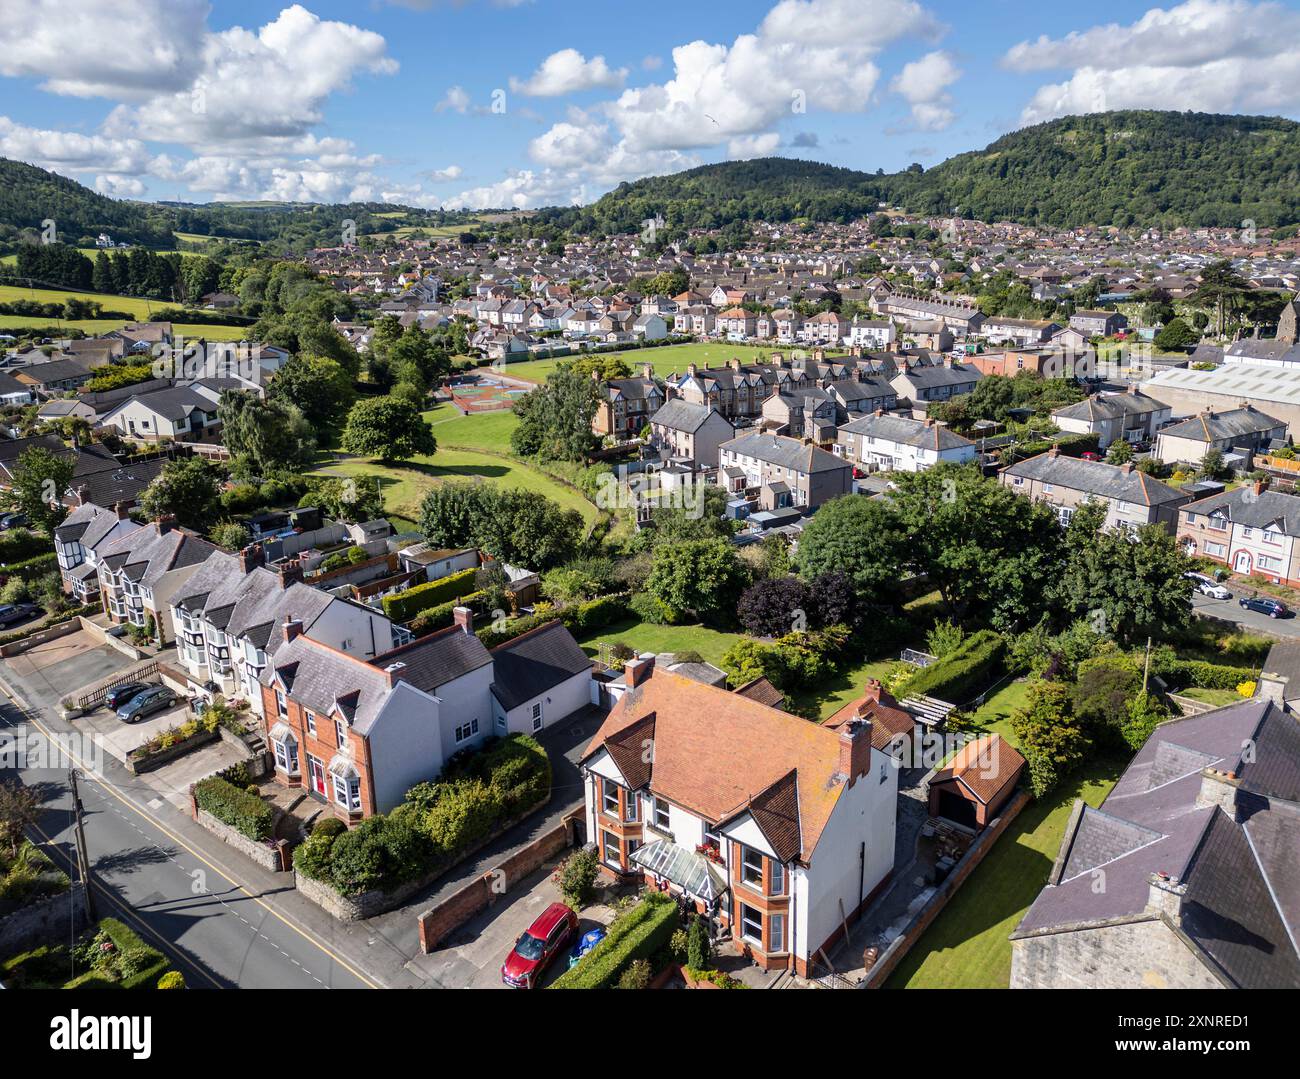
[539, 678]
[973, 787]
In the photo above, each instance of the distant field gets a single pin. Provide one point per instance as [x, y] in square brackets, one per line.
[477, 431]
[133, 306]
[91, 252]
[666, 359]
[103, 325]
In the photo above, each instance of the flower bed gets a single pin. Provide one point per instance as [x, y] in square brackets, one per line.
[174, 742]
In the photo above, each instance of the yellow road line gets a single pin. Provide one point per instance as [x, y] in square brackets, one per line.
[111, 789]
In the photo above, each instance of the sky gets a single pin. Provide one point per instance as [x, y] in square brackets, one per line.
[526, 103]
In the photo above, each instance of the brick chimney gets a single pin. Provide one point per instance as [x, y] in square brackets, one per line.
[638, 671]
[119, 508]
[1126, 467]
[464, 618]
[292, 628]
[250, 557]
[1260, 485]
[929, 421]
[648, 372]
[855, 749]
[1055, 451]
[289, 572]
[871, 693]
[880, 412]
[1219, 789]
[165, 523]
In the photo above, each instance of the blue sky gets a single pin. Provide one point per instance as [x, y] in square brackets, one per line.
[537, 102]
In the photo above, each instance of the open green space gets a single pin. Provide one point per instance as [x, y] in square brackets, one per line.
[711, 644]
[476, 430]
[666, 359]
[104, 325]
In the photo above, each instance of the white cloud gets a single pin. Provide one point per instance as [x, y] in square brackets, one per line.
[441, 176]
[127, 49]
[71, 151]
[924, 85]
[1208, 55]
[259, 92]
[744, 147]
[455, 100]
[569, 72]
[119, 187]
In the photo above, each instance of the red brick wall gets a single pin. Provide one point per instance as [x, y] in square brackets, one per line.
[322, 745]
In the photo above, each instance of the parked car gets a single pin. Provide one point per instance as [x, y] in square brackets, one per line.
[1272, 607]
[154, 699]
[1089, 455]
[586, 942]
[119, 695]
[538, 946]
[16, 519]
[1207, 586]
[17, 612]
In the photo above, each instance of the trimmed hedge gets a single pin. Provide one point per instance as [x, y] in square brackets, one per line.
[19, 544]
[577, 618]
[31, 568]
[638, 934]
[1181, 673]
[963, 673]
[443, 615]
[148, 963]
[243, 811]
[403, 606]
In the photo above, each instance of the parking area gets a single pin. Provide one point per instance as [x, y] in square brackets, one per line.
[52, 670]
[472, 956]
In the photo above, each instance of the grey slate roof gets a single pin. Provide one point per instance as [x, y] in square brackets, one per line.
[1236, 423]
[688, 416]
[532, 663]
[1242, 877]
[147, 554]
[1095, 478]
[786, 452]
[1244, 506]
[1109, 406]
[907, 432]
[437, 659]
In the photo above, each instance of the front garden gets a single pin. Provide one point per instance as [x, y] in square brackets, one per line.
[107, 956]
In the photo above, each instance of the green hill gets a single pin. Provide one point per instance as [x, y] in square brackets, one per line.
[1117, 168]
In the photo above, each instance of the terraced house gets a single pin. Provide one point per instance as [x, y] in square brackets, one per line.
[78, 541]
[901, 444]
[779, 829]
[627, 404]
[737, 390]
[358, 733]
[1132, 498]
[785, 471]
[229, 614]
[1251, 530]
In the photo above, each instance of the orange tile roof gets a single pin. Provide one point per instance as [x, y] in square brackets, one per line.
[888, 721]
[985, 766]
[717, 753]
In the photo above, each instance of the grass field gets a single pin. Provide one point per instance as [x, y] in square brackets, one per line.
[711, 644]
[475, 431]
[130, 304]
[103, 325]
[966, 947]
[405, 485]
[666, 359]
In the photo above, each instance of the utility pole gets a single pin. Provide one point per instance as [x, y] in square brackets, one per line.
[1146, 668]
[83, 856]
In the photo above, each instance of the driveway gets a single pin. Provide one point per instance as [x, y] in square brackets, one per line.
[52, 670]
[471, 957]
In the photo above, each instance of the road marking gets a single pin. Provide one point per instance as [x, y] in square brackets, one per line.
[110, 788]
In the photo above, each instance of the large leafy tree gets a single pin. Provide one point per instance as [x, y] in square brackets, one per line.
[704, 577]
[40, 479]
[388, 428]
[1049, 736]
[986, 549]
[857, 536]
[1222, 288]
[513, 525]
[555, 419]
[188, 488]
[318, 387]
[1134, 587]
[269, 433]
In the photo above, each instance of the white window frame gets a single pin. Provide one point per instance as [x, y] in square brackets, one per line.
[747, 867]
[465, 731]
[746, 925]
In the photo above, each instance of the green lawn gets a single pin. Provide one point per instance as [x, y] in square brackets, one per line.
[838, 690]
[666, 359]
[405, 485]
[103, 325]
[645, 637]
[1216, 697]
[994, 715]
[475, 431]
[966, 947]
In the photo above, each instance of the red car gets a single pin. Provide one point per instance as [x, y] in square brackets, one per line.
[543, 941]
[1088, 455]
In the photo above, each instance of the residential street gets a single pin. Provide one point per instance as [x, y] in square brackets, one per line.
[1231, 611]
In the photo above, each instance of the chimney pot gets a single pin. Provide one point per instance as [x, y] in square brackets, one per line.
[855, 749]
[118, 507]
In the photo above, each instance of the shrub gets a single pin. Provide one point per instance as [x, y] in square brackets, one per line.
[963, 672]
[173, 979]
[312, 857]
[1181, 673]
[652, 609]
[329, 826]
[699, 948]
[637, 975]
[441, 616]
[576, 876]
[403, 606]
[242, 810]
[135, 963]
[637, 934]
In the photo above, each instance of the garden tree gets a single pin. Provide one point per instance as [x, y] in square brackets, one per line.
[1222, 288]
[986, 549]
[944, 637]
[992, 397]
[492, 581]
[40, 480]
[677, 524]
[606, 365]
[1132, 587]
[857, 536]
[319, 388]
[1144, 714]
[20, 809]
[1048, 735]
[1104, 687]
[199, 276]
[832, 600]
[387, 428]
[555, 419]
[269, 433]
[704, 577]
[350, 498]
[1119, 453]
[768, 558]
[231, 535]
[1177, 336]
[415, 352]
[774, 606]
[189, 488]
[1211, 464]
[513, 525]
[583, 578]
[102, 277]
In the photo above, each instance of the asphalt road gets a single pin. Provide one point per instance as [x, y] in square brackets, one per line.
[1232, 611]
[218, 932]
